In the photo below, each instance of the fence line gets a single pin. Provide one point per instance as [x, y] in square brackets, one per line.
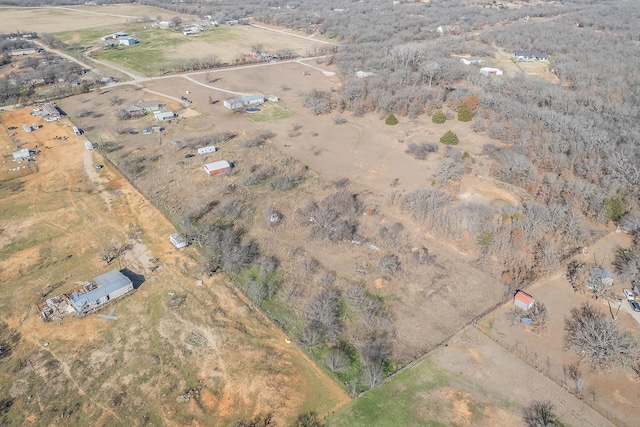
[531, 359]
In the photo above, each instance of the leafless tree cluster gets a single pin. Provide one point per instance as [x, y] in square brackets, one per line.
[333, 219]
[111, 252]
[597, 339]
[421, 151]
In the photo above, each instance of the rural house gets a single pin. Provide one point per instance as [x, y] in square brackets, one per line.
[115, 36]
[104, 288]
[127, 41]
[523, 300]
[529, 56]
[22, 52]
[217, 168]
[488, 71]
[244, 101]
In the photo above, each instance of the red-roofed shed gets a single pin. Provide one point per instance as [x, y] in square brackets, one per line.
[523, 300]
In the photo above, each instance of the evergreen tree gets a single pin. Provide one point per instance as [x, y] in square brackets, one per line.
[438, 117]
[391, 120]
[449, 138]
[464, 115]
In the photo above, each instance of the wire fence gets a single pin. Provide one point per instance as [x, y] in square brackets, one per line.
[544, 368]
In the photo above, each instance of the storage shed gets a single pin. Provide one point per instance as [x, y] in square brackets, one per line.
[88, 145]
[109, 286]
[217, 168]
[523, 300]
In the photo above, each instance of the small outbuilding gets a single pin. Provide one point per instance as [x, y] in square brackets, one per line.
[26, 128]
[523, 300]
[88, 145]
[216, 168]
[108, 287]
[529, 56]
[178, 240]
[488, 71]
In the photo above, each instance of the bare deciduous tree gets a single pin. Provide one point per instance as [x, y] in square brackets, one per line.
[597, 339]
[540, 414]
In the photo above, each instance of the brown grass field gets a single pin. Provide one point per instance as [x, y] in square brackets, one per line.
[136, 369]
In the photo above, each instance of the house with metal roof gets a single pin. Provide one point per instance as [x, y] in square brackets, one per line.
[161, 116]
[104, 288]
[529, 55]
[244, 101]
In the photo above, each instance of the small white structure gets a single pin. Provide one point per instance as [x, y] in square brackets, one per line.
[364, 74]
[22, 52]
[523, 300]
[206, 150]
[178, 240]
[114, 36]
[21, 154]
[216, 168]
[273, 98]
[244, 101]
[76, 131]
[161, 116]
[529, 56]
[88, 145]
[488, 71]
[26, 128]
[127, 41]
[470, 61]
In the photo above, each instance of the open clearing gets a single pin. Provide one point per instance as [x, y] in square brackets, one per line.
[142, 368]
[56, 19]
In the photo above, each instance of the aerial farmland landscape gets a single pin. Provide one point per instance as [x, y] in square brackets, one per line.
[319, 213]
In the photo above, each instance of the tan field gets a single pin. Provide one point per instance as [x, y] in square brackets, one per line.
[146, 365]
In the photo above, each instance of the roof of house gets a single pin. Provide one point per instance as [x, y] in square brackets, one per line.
[247, 98]
[163, 115]
[528, 53]
[523, 297]
[220, 164]
[107, 283]
[49, 109]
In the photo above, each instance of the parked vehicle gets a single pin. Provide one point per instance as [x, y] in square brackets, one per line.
[190, 155]
[635, 305]
[98, 166]
[627, 293]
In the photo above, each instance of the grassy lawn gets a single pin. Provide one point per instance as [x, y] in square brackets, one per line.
[270, 111]
[398, 402]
